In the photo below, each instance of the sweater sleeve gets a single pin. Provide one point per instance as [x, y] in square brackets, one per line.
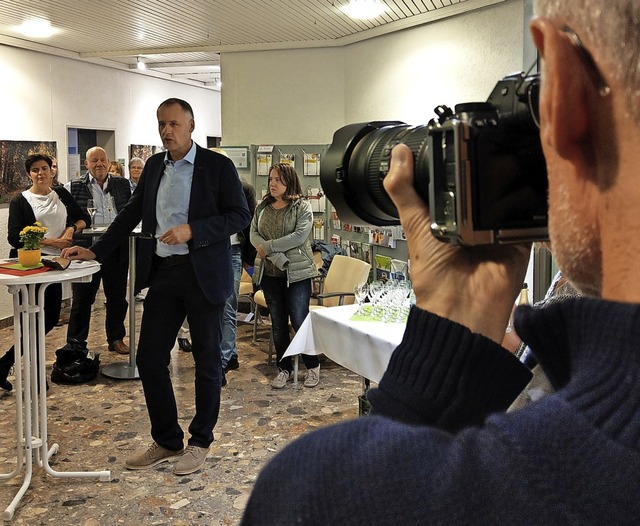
[20, 215]
[445, 376]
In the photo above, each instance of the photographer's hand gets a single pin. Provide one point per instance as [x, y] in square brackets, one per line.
[474, 286]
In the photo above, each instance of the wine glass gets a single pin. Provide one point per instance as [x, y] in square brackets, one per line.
[360, 292]
[376, 290]
[91, 209]
[111, 206]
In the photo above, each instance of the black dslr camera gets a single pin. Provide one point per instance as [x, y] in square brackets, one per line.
[480, 168]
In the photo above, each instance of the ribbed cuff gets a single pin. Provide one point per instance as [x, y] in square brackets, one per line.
[443, 374]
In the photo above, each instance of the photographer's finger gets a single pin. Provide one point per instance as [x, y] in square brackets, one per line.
[412, 210]
[399, 181]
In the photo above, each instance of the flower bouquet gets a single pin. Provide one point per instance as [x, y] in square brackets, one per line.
[31, 238]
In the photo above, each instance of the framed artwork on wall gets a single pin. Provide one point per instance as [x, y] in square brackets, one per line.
[144, 151]
[13, 177]
[239, 156]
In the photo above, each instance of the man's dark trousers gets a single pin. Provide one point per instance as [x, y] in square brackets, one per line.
[113, 273]
[174, 293]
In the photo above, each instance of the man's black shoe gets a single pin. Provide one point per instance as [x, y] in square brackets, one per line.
[5, 367]
[232, 365]
[184, 344]
[224, 379]
[6, 384]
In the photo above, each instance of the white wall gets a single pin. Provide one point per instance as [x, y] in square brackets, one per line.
[282, 97]
[42, 95]
[404, 76]
[303, 96]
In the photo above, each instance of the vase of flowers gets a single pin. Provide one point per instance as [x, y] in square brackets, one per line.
[31, 238]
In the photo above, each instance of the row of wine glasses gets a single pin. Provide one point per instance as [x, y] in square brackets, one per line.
[389, 301]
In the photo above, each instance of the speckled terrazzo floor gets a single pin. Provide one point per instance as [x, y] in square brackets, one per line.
[98, 425]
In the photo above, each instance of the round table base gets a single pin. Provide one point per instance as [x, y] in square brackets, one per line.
[121, 371]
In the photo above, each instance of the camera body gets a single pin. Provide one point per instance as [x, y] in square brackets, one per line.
[480, 168]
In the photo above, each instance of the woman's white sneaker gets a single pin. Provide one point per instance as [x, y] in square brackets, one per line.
[312, 377]
[281, 380]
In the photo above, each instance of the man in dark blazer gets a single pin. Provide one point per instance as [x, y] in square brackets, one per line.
[190, 201]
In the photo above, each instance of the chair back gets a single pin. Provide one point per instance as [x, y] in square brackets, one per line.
[246, 285]
[259, 299]
[344, 273]
[317, 259]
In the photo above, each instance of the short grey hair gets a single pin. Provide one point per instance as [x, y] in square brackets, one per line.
[613, 27]
[136, 160]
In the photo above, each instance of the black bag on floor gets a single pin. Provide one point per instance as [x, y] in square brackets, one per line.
[74, 366]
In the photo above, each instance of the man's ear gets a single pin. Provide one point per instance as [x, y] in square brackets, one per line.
[564, 96]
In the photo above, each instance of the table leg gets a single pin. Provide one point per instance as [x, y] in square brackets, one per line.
[295, 371]
[364, 406]
[31, 392]
[128, 371]
[17, 344]
[23, 412]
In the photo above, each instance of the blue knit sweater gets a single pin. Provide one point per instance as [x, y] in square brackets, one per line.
[440, 449]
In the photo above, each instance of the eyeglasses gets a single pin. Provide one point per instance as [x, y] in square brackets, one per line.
[592, 67]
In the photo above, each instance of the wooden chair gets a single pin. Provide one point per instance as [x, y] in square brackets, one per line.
[245, 293]
[259, 301]
[337, 287]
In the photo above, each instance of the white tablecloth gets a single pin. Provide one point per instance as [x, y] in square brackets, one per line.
[363, 347]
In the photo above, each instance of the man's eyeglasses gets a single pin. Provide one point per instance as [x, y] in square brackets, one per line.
[592, 67]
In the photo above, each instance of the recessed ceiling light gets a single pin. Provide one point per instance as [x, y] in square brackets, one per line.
[36, 28]
[364, 9]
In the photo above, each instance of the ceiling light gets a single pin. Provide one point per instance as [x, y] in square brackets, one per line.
[364, 9]
[36, 28]
[140, 65]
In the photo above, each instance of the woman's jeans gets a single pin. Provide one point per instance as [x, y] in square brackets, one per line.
[228, 346]
[286, 303]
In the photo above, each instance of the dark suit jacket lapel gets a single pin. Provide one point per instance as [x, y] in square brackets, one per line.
[151, 193]
[199, 172]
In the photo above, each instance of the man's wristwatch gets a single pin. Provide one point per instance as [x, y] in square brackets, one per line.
[74, 226]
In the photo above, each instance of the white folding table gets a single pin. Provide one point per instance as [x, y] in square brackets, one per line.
[31, 401]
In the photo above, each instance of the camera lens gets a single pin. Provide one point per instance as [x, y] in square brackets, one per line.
[479, 168]
[358, 161]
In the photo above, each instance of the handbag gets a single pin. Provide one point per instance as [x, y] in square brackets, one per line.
[74, 364]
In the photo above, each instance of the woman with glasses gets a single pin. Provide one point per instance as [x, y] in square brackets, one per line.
[136, 165]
